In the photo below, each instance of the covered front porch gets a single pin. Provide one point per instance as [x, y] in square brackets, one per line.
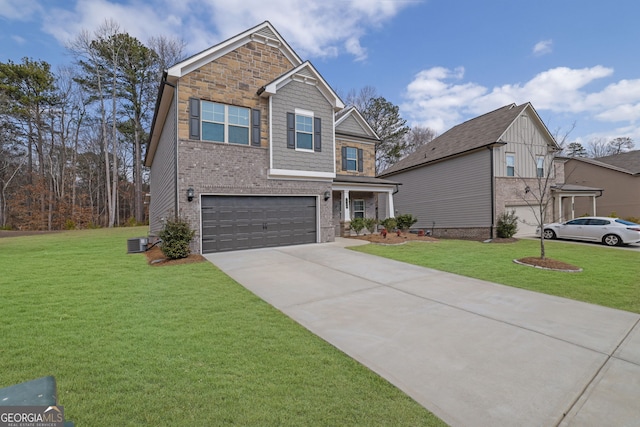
[564, 201]
[361, 197]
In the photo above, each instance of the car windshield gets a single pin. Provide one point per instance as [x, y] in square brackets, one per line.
[622, 221]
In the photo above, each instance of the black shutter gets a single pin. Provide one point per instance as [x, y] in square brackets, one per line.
[360, 160]
[291, 130]
[317, 138]
[255, 128]
[344, 158]
[194, 118]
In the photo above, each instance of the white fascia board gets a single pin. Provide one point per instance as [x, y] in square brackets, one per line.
[198, 60]
[379, 188]
[353, 111]
[290, 173]
[314, 80]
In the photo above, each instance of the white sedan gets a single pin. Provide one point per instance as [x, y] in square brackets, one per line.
[610, 231]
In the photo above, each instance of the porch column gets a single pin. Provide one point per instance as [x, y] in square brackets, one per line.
[346, 212]
[593, 199]
[573, 207]
[560, 213]
[390, 207]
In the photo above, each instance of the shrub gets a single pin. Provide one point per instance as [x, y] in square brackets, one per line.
[507, 224]
[389, 224]
[357, 224]
[69, 224]
[176, 236]
[405, 221]
[370, 224]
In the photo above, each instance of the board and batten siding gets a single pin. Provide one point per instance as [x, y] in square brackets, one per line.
[454, 194]
[526, 142]
[163, 175]
[306, 97]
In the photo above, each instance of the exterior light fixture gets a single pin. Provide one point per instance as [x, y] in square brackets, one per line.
[190, 194]
[527, 189]
[327, 195]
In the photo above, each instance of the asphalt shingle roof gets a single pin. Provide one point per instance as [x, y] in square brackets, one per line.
[629, 161]
[478, 132]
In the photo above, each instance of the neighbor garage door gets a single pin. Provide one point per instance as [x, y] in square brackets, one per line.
[527, 222]
[247, 222]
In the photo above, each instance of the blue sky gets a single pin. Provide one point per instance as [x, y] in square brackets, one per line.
[441, 61]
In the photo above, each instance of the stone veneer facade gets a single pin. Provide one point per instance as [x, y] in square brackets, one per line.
[212, 168]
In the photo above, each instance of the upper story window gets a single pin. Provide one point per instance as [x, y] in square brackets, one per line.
[213, 121]
[352, 159]
[304, 131]
[511, 164]
[225, 123]
[540, 166]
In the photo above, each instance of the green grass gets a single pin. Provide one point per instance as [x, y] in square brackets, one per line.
[610, 276]
[134, 345]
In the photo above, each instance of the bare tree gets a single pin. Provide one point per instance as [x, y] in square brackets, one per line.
[620, 145]
[415, 138]
[598, 147]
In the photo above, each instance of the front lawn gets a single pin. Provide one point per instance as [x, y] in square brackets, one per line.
[610, 276]
[135, 345]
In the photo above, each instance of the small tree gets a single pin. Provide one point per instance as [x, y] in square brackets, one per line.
[406, 221]
[176, 237]
[389, 224]
[357, 224]
[507, 225]
[370, 224]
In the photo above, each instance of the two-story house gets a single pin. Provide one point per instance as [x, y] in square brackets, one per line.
[243, 147]
[458, 184]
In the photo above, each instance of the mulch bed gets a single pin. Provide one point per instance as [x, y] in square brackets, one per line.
[394, 239]
[155, 257]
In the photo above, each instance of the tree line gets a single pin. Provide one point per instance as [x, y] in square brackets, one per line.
[72, 140]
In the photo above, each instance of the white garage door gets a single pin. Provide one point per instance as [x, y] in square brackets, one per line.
[527, 222]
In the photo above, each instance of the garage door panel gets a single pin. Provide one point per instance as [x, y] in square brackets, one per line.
[527, 222]
[248, 222]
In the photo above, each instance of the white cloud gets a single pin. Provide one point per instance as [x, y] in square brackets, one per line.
[314, 29]
[543, 47]
[21, 10]
[440, 98]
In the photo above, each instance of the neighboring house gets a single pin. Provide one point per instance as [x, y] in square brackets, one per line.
[618, 176]
[458, 184]
[243, 146]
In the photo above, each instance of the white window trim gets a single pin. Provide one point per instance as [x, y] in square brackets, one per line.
[304, 113]
[226, 123]
[355, 159]
[353, 209]
[506, 163]
[540, 159]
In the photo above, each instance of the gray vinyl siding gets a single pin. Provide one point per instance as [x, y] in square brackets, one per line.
[307, 97]
[453, 194]
[266, 32]
[351, 126]
[162, 177]
[526, 141]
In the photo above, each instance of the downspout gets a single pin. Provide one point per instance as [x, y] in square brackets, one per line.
[175, 139]
[493, 196]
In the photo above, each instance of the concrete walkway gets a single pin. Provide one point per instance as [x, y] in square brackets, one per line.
[472, 352]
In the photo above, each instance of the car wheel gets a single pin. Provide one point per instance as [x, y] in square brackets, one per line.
[611, 240]
[549, 234]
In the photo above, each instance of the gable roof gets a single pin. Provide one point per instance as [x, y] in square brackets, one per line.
[629, 161]
[352, 113]
[598, 162]
[264, 33]
[479, 132]
[305, 73]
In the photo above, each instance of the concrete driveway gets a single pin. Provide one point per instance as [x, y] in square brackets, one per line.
[472, 352]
